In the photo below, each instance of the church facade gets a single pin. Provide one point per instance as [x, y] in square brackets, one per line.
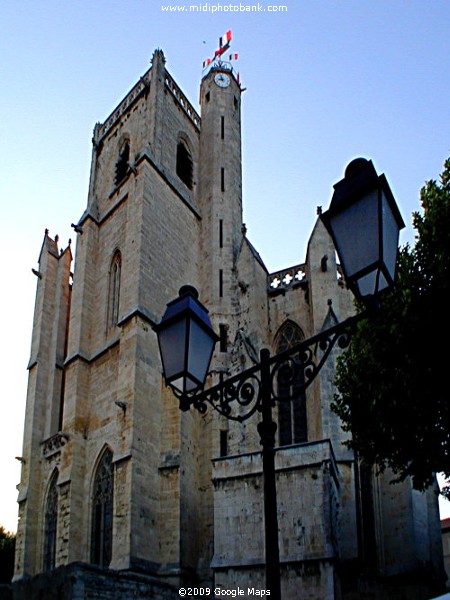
[123, 495]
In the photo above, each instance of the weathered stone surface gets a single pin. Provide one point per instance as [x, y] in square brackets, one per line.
[79, 581]
[187, 502]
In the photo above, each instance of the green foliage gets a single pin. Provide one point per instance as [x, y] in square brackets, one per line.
[7, 546]
[393, 382]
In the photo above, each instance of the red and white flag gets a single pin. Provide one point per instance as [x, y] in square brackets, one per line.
[224, 44]
[225, 40]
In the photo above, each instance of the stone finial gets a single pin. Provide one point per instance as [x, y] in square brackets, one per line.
[158, 57]
[319, 210]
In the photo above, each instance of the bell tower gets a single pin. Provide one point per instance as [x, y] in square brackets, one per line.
[220, 186]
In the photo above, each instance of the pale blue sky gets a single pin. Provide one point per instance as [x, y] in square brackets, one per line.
[325, 81]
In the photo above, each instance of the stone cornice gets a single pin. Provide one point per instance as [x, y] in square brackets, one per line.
[138, 311]
[90, 359]
[141, 312]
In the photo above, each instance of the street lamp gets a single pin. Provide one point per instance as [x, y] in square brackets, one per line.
[186, 343]
[364, 222]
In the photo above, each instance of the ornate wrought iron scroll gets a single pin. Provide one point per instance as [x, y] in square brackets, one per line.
[240, 396]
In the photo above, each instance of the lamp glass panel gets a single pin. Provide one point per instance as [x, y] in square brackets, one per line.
[367, 284]
[201, 346]
[356, 234]
[190, 384]
[390, 236]
[172, 342]
[184, 384]
[382, 282]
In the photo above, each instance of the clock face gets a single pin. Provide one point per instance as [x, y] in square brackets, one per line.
[222, 80]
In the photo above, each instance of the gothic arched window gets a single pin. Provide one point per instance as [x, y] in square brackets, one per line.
[102, 511]
[50, 524]
[292, 421]
[123, 162]
[114, 289]
[184, 165]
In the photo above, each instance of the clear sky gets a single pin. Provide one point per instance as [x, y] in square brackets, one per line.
[326, 81]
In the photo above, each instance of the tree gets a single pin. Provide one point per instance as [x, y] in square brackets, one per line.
[7, 546]
[393, 391]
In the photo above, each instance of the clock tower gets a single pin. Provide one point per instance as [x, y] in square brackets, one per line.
[220, 187]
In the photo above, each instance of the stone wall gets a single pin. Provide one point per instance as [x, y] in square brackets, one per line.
[308, 521]
[79, 581]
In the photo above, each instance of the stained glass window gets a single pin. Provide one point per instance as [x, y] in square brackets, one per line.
[50, 525]
[292, 421]
[102, 511]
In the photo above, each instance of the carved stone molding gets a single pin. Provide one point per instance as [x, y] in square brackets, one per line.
[53, 445]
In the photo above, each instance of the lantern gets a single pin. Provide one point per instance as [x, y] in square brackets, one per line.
[186, 342]
[364, 222]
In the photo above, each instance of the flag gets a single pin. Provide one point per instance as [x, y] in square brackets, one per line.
[206, 62]
[225, 40]
[234, 56]
[220, 51]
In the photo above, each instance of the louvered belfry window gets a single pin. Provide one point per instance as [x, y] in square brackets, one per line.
[122, 163]
[184, 167]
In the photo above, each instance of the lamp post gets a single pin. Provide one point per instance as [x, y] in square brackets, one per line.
[364, 223]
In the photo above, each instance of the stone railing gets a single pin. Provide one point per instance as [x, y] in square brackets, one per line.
[141, 86]
[54, 444]
[287, 279]
[182, 100]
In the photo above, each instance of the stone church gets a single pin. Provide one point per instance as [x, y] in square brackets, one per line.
[122, 495]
